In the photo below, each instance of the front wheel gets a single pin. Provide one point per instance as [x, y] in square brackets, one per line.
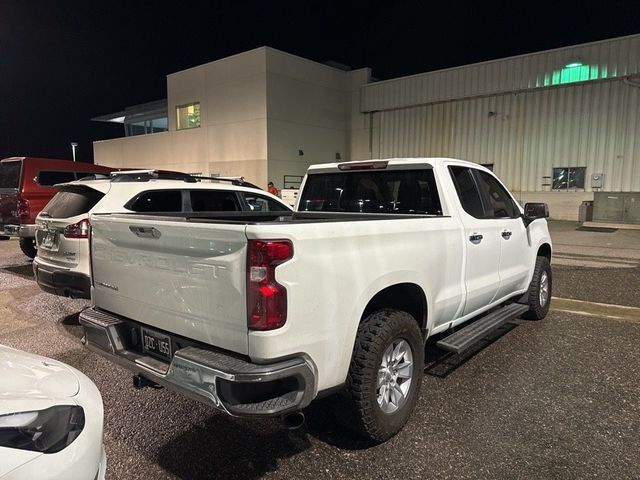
[539, 290]
[28, 246]
[384, 377]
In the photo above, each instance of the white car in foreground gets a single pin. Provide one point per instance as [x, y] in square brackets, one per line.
[50, 420]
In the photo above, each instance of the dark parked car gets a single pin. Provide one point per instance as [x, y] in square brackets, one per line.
[26, 186]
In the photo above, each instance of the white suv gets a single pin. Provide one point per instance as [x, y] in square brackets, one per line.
[62, 266]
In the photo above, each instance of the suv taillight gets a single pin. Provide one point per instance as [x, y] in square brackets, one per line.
[77, 230]
[23, 210]
[266, 298]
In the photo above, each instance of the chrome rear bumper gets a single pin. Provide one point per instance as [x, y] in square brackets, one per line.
[226, 381]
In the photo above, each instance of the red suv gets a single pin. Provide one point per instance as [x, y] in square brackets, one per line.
[26, 186]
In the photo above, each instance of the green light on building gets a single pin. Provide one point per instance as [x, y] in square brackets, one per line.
[577, 72]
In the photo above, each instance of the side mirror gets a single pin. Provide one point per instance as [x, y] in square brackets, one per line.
[533, 211]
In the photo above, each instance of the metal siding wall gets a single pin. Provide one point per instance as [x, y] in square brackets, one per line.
[594, 125]
[619, 57]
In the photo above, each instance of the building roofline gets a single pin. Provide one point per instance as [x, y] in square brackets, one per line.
[502, 59]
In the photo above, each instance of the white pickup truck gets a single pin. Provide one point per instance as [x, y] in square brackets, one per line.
[261, 313]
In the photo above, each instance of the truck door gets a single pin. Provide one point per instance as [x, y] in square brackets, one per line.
[515, 254]
[482, 237]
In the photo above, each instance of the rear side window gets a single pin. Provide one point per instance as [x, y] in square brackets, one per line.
[258, 203]
[10, 174]
[157, 201]
[213, 201]
[47, 178]
[468, 192]
[399, 191]
[72, 201]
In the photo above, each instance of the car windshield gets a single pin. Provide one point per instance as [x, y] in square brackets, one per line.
[10, 174]
[72, 201]
[399, 191]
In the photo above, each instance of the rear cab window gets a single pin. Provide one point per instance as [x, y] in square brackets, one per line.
[391, 191]
[72, 201]
[49, 178]
[10, 175]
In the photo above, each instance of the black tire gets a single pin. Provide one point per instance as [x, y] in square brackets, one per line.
[28, 246]
[357, 405]
[538, 309]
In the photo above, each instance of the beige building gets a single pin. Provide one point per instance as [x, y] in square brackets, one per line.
[556, 126]
[261, 114]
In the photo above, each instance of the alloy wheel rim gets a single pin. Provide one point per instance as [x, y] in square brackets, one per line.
[394, 376]
[544, 289]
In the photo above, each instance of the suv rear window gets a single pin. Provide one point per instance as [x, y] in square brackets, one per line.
[10, 174]
[399, 191]
[72, 201]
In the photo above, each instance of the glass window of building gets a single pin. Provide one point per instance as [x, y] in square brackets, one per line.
[565, 178]
[188, 116]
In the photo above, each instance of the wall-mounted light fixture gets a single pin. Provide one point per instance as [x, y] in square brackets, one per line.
[300, 153]
[338, 156]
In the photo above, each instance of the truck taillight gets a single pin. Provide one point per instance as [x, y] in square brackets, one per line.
[23, 209]
[266, 298]
[77, 230]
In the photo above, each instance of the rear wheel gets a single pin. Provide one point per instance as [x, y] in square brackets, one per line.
[384, 376]
[539, 290]
[28, 246]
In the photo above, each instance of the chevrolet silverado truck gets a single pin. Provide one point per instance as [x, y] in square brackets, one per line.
[258, 314]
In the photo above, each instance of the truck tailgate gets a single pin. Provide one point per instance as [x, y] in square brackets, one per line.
[187, 281]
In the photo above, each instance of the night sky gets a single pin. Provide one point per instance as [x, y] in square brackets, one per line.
[64, 62]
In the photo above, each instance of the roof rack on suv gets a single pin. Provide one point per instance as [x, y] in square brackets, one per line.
[146, 175]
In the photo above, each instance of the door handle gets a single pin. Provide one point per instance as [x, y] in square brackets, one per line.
[476, 237]
[506, 234]
[145, 232]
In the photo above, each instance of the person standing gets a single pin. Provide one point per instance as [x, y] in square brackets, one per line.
[272, 189]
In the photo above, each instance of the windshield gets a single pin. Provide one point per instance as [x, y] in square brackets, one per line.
[10, 174]
[399, 191]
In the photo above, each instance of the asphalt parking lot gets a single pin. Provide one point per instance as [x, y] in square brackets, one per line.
[558, 398]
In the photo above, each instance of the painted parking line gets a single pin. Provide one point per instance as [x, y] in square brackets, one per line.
[595, 309]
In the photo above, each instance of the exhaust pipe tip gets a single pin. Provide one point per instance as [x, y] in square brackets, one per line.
[140, 382]
[293, 421]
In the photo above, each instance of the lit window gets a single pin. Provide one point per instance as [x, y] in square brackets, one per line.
[188, 115]
[565, 178]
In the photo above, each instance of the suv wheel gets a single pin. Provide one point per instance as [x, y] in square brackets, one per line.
[28, 246]
[384, 376]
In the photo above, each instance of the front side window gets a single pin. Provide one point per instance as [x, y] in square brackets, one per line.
[157, 201]
[467, 190]
[188, 116]
[565, 178]
[399, 191]
[499, 202]
[214, 201]
[47, 178]
[258, 203]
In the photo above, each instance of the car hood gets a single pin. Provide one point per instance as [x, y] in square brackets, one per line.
[26, 376]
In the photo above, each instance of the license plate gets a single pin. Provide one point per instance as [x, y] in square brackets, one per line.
[156, 343]
[50, 239]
